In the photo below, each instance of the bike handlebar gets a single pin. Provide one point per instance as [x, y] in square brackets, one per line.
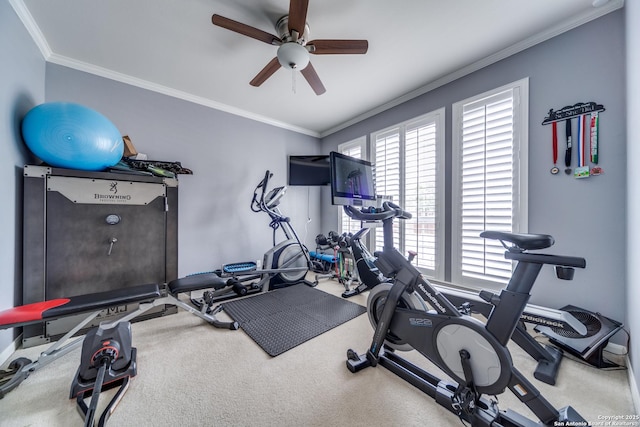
[389, 210]
[256, 204]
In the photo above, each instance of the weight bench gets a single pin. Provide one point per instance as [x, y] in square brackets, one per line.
[147, 296]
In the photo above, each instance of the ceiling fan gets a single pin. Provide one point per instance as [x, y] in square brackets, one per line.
[293, 44]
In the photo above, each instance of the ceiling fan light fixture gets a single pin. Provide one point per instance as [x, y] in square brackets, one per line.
[293, 56]
[294, 48]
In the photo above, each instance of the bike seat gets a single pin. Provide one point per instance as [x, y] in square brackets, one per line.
[521, 240]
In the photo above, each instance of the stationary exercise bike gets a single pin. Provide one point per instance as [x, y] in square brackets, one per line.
[368, 274]
[410, 314]
[548, 357]
[285, 264]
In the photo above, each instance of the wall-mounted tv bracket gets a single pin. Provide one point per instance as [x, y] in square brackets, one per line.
[588, 122]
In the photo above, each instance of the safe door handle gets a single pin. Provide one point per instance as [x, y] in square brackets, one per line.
[111, 242]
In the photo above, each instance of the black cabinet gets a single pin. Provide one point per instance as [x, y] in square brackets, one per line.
[88, 232]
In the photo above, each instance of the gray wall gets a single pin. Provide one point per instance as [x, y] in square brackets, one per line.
[22, 87]
[632, 9]
[586, 217]
[228, 155]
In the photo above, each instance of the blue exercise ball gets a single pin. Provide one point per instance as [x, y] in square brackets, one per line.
[72, 136]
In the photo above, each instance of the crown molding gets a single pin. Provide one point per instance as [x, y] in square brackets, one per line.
[145, 84]
[27, 19]
[30, 24]
[575, 22]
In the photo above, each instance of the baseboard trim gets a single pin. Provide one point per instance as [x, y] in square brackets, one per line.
[7, 352]
[635, 395]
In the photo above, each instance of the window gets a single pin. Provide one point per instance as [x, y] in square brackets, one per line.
[386, 160]
[485, 177]
[357, 149]
[409, 160]
[489, 181]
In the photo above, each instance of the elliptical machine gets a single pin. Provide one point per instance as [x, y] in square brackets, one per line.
[410, 314]
[285, 264]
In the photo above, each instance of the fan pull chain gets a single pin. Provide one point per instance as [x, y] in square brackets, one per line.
[293, 80]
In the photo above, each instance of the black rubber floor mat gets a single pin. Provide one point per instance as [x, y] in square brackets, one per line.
[285, 318]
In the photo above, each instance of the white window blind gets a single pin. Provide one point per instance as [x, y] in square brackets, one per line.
[420, 193]
[387, 176]
[487, 185]
[409, 163]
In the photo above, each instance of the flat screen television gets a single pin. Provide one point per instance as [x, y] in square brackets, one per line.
[351, 180]
[309, 170]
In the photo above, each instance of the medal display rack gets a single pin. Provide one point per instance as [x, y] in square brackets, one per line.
[572, 111]
[586, 140]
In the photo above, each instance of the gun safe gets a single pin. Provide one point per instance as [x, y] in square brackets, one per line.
[87, 232]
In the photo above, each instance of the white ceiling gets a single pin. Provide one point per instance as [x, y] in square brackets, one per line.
[172, 47]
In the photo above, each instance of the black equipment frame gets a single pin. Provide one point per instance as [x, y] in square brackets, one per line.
[420, 328]
[548, 357]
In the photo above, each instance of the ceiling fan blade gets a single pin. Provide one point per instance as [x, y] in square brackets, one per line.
[298, 15]
[245, 29]
[266, 72]
[312, 78]
[329, 47]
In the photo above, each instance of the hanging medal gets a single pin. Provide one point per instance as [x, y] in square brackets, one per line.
[586, 141]
[593, 133]
[567, 154]
[554, 129]
[582, 171]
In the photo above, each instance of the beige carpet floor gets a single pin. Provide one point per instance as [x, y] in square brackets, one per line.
[191, 374]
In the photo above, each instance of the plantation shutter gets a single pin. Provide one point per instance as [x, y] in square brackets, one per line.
[387, 176]
[486, 186]
[420, 192]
